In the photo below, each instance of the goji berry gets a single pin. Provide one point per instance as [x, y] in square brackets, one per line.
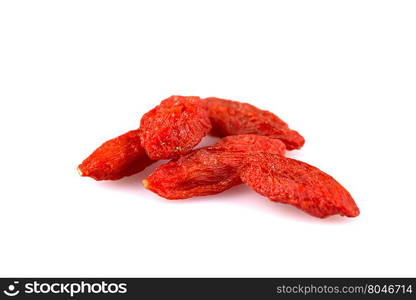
[251, 143]
[116, 158]
[209, 170]
[296, 183]
[174, 127]
[233, 118]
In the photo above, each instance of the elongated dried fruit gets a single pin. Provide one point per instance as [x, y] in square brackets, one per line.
[296, 183]
[251, 143]
[116, 158]
[174, 127]
[236, 118]
[208, 170]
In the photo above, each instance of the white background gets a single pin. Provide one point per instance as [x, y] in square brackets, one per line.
[76, 73]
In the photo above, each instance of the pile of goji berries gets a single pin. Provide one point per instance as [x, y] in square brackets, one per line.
[251, 151]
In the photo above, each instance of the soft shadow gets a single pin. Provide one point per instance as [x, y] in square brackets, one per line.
[132, 183]
[243, 195]
[286, 211]
[207, 141]
[295, 154]
[238, 195]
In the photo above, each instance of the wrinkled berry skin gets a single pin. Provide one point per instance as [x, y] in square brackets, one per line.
[251, 143]
[296, 183]
[209, 170]
[174, 127]
[116, 158]
[235, 118]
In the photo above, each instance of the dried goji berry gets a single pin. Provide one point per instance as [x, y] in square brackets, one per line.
[209, 170]
[116, 158]
[174, 127]
[232, 118]
[294, 182]
[251, 143]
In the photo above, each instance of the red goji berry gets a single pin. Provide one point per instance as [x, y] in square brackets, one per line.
[296, 183]
[233, 118]
[116, 158]
[251, 143]
[174, 127]
[209, 170]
